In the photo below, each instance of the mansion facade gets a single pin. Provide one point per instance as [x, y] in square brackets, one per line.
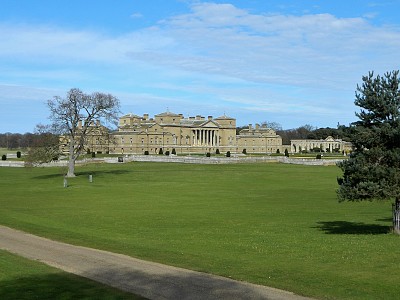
[179, 135]
[175, 133]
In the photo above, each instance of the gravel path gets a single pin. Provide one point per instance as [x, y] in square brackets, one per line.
[148, 279]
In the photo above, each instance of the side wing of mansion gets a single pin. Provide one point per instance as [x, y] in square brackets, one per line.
[176, 134]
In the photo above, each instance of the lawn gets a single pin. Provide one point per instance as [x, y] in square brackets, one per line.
[24, 279]
[271, 224]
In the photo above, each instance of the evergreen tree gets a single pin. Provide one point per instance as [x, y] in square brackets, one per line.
[286, 152]
[373, 170]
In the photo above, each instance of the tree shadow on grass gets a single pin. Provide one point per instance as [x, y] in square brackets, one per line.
[345, 227]
[102, 172]
[85, 173]
[59, 286]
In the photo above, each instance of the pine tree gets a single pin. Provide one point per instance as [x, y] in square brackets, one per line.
[373, 170]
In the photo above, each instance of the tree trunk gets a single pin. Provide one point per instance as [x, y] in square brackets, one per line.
[396, 216]
[71, 159]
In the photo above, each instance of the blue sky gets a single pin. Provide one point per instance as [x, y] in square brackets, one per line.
[291, 62]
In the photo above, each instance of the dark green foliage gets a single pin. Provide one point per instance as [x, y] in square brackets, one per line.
[161, 152]
[88, 151]
[244, 151]
[208, 154]
[217, 151]
[173, 151]
[228, 154]
[18, 154]
[319, 156]
[278, 151]
[167, 152]
[286, 152]
[93, 154]
[4, 157]
[146, 152]
[373, 169]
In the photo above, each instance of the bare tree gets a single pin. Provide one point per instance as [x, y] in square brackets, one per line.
[273, 125]
[44, 146]
[74, 116]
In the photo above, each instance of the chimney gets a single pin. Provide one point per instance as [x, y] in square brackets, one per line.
[145, 116]
[209, 118]
[191, 118]
[257, 126]
[198, 117]
[250, 127]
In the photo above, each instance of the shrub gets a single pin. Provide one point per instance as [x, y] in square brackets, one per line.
[173, 151]
[99, 152]
[217, 151]
[208, 154]
[319, 156]
[93, 154]
[161, 152]
[18, 154]
[278, 151]
[88, 151]
[167, 152]
[244, 151]
[286, 152]
[4, 157]
[228, 154]
[146, 152]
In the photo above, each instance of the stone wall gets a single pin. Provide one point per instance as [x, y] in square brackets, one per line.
[188, 160]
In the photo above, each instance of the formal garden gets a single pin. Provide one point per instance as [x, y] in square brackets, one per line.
[271, 224]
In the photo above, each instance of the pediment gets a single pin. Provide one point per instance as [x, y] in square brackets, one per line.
[329, 139]
[209, 124]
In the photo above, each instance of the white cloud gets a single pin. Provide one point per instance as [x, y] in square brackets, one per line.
[216, 52]
[136, 15]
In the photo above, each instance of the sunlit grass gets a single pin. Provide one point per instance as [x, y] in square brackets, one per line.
[271, 224]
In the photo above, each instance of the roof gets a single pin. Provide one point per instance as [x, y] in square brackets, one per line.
[224, 117]
[130, 115]
[167, 114]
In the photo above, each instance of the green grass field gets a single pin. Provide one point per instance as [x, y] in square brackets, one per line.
[271, 224]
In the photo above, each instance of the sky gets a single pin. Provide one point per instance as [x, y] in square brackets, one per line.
[291, 62]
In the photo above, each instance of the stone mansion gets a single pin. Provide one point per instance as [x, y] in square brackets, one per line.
[176, 134]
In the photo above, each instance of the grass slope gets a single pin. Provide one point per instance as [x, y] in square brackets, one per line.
[271, 224]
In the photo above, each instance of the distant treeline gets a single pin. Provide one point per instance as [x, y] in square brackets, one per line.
[308, 132]
[22, 141]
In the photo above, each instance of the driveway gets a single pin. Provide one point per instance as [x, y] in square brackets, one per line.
[144, 278]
